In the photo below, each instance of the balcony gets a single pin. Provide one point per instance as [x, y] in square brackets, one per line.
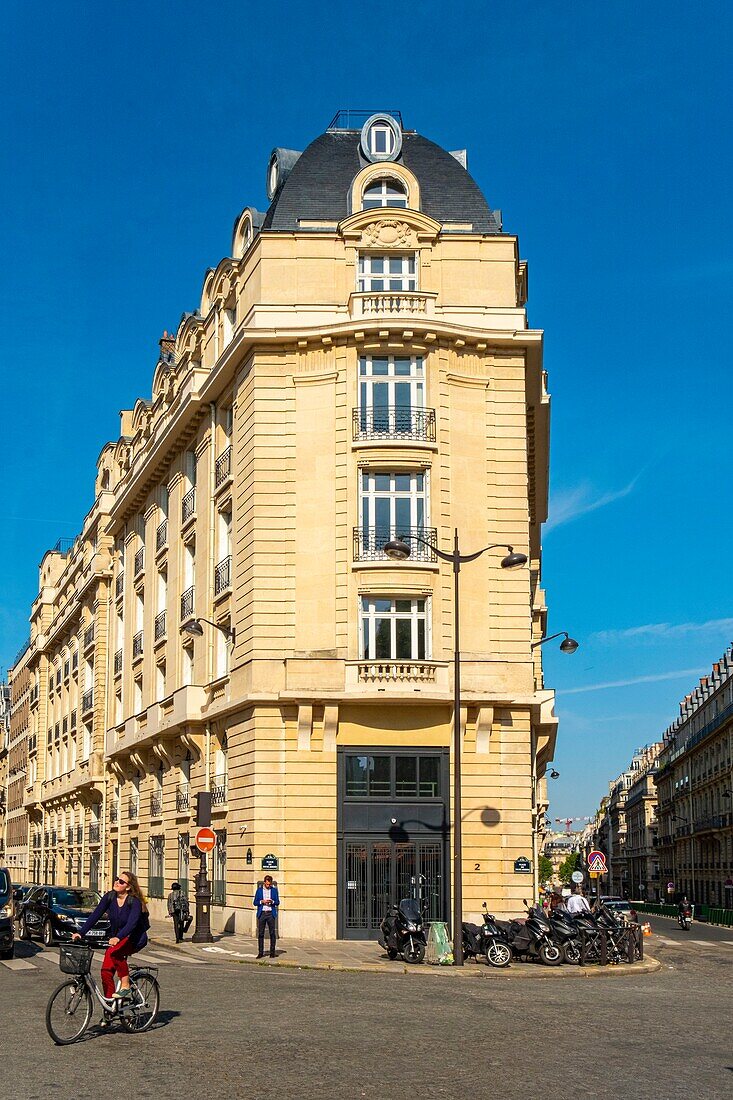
[156, 804]
[369, 543]
[118, 662]
[223, 468]
[188, 506]
[89, 636]
[187, 604]
[219, 790]
[397, 672]
[75, 661]
[32, 742]
[114, 811]
[183, 798]
[139, 561]
[392, 303]
[133, 808]
[79, 834]
[161, 536]
[393, 423]
[119, 585]
[160, 627]
[711, 823]
[72, 721]
[70, 835]
[94, 831]
[223, 576]
[34, 695]
[67, 670]
[137, 646]
[87, 701]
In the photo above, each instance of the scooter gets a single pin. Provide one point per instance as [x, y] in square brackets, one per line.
[488, 940]
[402, 932]
[566, 932]
[533, 937]
[684, 919]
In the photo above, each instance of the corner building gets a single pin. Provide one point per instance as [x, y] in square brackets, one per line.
[360, 367]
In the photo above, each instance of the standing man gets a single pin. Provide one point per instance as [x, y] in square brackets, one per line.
[577, 902]
[178, 909]
[266, 901]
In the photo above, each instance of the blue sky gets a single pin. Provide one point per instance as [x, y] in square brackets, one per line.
[133, 135]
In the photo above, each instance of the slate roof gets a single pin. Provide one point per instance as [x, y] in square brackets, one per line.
[318, 186]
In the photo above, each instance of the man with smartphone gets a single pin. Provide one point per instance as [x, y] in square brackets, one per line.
[266, 901]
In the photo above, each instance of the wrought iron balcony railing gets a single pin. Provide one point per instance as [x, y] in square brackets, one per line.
[113, 813]
[70, 835]
[137, 645]
[188, 506]
[119, 584]
[79, 834]
[394, 422]
[156, 804]
[87, 701]
[223, 467]
[88, 636]
[223, 576]
[369, 542]
[75, 660]
[118, 662]
[34, 695]
[182, 798]
[139, 561]
[161, 535]
[160, 626]
[133, 808]
[72, 720]
[94, 833]
[218, 790]
[187, 604]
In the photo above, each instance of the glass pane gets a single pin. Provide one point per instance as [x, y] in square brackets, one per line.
[403, 605]
[379, 141]
[379, 777]
[403, 395]
[395, 284]
[411, 265]
[381, 605]
[380, 399]
[382, 645]
[404, 639]
[402, 482]
[380, 366]
[365, 636]
[362, 366]
[381, 483]
[420, 482]
[370, 204]
[429, 777]
[419, 512]
[420, 640]
[381, 512]
[357, 770]
[376, 284]
[402, 514]
[421, 606]
[406, 776]
[365, 512]
[395, 265]
[377, 265]
[402, 366]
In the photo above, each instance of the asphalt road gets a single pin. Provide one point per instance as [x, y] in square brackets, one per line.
[231, 1029]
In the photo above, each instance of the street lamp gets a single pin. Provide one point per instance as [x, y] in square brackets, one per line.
[554, 774]
[569, 645]
[194, 627]
[398, 549]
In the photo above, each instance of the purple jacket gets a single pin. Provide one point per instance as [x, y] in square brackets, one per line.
[124, 920]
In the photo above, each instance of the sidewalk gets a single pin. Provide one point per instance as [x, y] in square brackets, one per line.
[367, 956]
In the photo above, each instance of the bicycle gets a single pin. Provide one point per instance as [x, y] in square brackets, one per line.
[70, 1007]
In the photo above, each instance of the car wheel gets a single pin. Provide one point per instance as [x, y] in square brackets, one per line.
[23, 933]
[47, 934]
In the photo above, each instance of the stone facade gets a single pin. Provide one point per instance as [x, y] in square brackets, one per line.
[346, 379]
[16, 822]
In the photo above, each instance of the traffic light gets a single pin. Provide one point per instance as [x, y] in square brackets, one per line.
[203, 808]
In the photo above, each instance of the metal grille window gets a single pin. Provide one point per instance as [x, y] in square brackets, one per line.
[384, 192]
[157, 867]
[184, 860]
[394, 504]
[219, 869]
[391, 394]
[393, 629]
[133, 854]
[387, 272]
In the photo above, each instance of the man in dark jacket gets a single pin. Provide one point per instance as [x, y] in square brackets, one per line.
[178, 909]
[266, 901]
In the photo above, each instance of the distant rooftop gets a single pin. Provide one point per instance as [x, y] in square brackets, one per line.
[352, 119]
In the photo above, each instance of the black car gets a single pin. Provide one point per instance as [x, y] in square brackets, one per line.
[7, 932]
[57, 912]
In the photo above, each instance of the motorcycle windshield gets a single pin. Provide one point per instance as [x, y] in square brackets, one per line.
[410, 910]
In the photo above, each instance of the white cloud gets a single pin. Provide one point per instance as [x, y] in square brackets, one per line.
[663, 631]
[681, 674]
[569, 504]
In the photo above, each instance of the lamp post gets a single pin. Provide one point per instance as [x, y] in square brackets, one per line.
[398, 549]
[202, 932]
[568, 645]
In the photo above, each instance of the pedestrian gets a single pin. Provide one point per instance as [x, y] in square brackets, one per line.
[266, 901]
[557, 901]
[178, 909]
[577, 902]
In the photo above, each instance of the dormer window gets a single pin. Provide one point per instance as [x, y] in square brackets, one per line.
[384, 192]
[381, 138]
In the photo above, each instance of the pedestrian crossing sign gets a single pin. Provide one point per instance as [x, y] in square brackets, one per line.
[597, 862]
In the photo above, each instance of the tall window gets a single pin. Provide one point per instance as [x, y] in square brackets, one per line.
[393, 629]
[393, 503]
[184, 858]
[391, 388]
[157, 867]
[387, 272]
[133, 854]
[384, 192]
[219, 869]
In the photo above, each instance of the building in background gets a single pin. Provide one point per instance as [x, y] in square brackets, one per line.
[359, 368]
[694, 782]
[610, 833]
[642, 863]
[557, 847]
[4, 734]
[16, 823]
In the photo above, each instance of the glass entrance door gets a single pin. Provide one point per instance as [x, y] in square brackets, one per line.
[378, 873]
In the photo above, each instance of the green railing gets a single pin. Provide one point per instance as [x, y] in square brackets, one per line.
[707, 913]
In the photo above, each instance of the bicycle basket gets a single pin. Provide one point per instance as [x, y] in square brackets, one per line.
[75, 959]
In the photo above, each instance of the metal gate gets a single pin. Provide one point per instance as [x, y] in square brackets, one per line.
[378, 873]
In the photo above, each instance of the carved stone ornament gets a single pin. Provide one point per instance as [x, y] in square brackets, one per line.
[390, 232]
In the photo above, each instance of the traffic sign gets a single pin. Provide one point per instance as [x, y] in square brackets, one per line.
[577, 877]
[205, 839]
[597, 861]
[670, 886]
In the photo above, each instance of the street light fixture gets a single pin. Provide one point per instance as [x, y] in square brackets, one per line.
[194, 627]
[554, 774]
[398, 549]
[569, 645]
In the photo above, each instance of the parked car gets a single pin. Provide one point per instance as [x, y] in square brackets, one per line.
[20, 893]
[7, 929]
[624, 908]
[57, 912]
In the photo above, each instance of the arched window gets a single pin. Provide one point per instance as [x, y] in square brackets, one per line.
[384, 192]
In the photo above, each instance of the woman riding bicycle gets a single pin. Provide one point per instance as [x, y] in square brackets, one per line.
[128, 918]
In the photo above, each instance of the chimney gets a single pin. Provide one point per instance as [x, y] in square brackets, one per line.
[167, 347]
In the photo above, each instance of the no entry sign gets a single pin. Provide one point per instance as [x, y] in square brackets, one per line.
[205, 840]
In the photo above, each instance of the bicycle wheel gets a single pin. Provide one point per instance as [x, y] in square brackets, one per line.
[141, 1011]
[69, 1012]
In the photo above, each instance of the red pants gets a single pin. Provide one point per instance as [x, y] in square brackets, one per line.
[115, 959]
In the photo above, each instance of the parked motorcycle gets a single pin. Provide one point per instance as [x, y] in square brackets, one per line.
[533, 937]
[487, 940]
[684, 919]
[402, 932]
[566, 931]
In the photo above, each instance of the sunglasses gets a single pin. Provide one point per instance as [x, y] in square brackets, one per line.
[123, 881]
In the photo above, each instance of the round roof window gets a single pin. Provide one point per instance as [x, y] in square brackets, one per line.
[381, 138]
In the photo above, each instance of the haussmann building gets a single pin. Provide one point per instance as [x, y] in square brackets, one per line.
[359, 368]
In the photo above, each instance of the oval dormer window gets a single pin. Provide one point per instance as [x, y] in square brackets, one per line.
[272, 176]
[381, 138]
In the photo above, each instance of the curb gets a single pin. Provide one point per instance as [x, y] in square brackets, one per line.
[522, 972]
